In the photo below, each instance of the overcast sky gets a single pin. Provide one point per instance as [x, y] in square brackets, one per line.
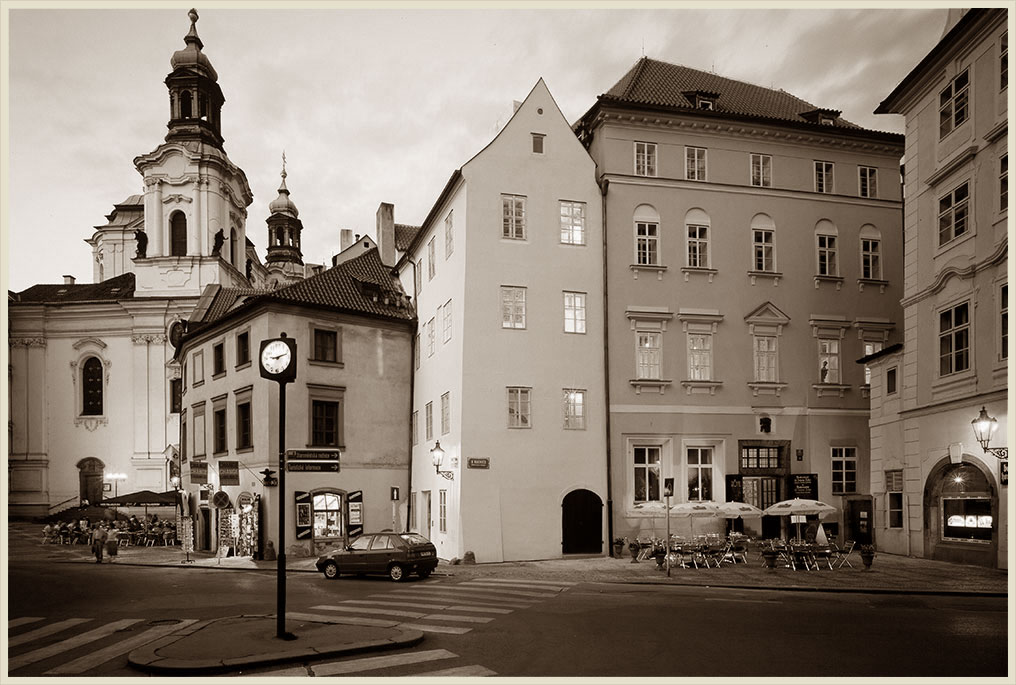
[373, 105]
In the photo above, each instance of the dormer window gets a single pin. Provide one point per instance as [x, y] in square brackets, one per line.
[702, 99]
[823, 117]
[704, 103]
[826, 121]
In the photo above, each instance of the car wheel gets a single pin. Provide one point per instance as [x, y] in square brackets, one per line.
[396, 572]
[331, 570]
[425, 572]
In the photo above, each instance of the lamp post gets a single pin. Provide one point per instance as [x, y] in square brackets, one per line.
[437, 456]
[116, 478]
[984, 428]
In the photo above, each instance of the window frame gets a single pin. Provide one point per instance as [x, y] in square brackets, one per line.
[574, 312]
[449, 234]
[573, 222]
[871, 259]
[697, 371]
[647, 244]
[827, 255]
[446, 322]
[952, 333]
[93, 375]
[218, 359]
[513, 217]
[695, 163]
[1003, 182]
[955, 210]
[763, 163]
[199, 437]
[574, 400]
[829, 351]
[1003, 321]
[325, 344]
[894, 487]
[175, 395]
[431, 258]
[647, 167]
[519, 406]
[1003, 61]
[220, 429]
[891, 380]
[442, 509]
[867, 181]
[431, 337]
[513, 307]
[198, 368]
[244, 424]
[649, 467]
[697, 252]
[839, 484]
[763, 246]
[824, 176]
[446, 413]
[954, 104]
[538, 142]
[242, 349]
[760, 355]
[428, 420]
[648, 357]
[415, 426]
[325, 396]
[699, 467]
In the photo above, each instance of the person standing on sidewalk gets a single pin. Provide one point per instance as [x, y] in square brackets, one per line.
[112, 540]
[98, 540]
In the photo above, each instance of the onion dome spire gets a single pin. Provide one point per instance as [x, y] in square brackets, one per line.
[283, 204]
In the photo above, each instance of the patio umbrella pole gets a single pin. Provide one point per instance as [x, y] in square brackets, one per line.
[666, 545]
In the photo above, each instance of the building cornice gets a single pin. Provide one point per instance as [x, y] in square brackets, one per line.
[998, 255]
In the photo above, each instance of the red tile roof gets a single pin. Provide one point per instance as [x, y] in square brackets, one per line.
[111, 290]
[404, 235]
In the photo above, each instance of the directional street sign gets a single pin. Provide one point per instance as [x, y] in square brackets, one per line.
[315, 454]
[332, 466]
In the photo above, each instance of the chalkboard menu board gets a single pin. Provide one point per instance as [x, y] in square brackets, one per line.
[804, 485]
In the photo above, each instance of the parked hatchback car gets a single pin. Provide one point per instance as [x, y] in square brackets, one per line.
[395, 554]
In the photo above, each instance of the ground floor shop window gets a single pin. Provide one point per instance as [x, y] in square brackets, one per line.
[327, 515]
[966, 519]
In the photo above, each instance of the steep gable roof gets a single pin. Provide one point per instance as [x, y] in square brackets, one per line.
[404, 235]
[111, 290]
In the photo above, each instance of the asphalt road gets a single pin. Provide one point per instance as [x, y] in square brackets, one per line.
[584, 630]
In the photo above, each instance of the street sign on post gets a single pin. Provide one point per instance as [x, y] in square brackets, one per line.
[313, 460]
[305, 466]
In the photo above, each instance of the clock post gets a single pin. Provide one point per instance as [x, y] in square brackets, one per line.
[278, 363]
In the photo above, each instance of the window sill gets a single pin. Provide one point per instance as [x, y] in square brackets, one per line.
[688, 270]
[953, 382]
[217, 376]
[775, 275]
[838, 280]
[701, 387]
[242, 450]
[766, 388]
[91, 422]
[861, 282]
[658, 268]
[322, 362]
[830, 389]
[242, 365]
[658, 384]
[220, 453]
[198, 384]
[954, 241]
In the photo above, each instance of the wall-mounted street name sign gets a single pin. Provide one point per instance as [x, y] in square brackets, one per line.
[478, 463]
[313, 454]
[322, 465]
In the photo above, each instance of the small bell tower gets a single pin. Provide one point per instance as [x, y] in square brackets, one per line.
[284, 259]
[195, 99]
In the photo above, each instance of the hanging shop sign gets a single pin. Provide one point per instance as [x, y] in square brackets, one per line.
[1003, 472]
[804, 485]
[229, 473]
[198, 473]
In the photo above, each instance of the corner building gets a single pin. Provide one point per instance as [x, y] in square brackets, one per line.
[753, 251]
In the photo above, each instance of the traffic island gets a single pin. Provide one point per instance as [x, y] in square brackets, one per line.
[242, 643]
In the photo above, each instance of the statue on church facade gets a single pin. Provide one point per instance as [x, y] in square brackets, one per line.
[142, 239]
[217, 246]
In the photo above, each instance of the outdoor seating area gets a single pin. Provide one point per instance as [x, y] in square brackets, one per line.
[149, 532]
[713, 551]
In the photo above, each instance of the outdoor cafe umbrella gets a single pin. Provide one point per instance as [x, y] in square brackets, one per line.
[142, 498]
[799, 507]
[733, 510]
[695, 510]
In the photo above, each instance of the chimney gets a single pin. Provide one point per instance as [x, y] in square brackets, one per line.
[386, 233]
[345, 238]
[68, 280]
[515, 106]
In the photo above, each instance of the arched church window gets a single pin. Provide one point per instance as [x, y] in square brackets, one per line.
[178, 234]
[91, 387]
[233, 256]
[185, 105]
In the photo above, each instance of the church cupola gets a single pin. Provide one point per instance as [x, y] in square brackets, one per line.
[284, 227]
[195, 99]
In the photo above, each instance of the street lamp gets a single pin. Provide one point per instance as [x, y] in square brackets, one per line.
[116, 478]
[437, 455]
[984, 427]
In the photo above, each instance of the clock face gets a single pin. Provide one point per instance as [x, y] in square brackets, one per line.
[276, 358]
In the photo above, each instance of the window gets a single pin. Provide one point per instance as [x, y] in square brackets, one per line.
[415, 427]
[828, 360]
[513, 217]
[446, 413]
[328, 517]
[765, 358]
[894, 496]
[446, 323]
[412, 511]
[759, 457]
[645, 159]
[647, 355]
[952, 105]
[647, 473]
[449, 236]
[326, 345]
[844, 473]
[700, 356]
[442, 507]
[698, 246]
[1003, 321]
[428, 417]
[867, 180]
[954, 339]
[513, 307]
[431, 338]
[199, 429]
[219, 430]
[324, 423]
[761, 491]
[703, 103]
[573, 223]
[762, 171]
[538, 143]
[1003, 62]
[823, 177]
[418, 276]
[178, 235]
[91, 387]
[952, 214]
[242, 348]
[890, 381]
[828, 265]
[175, 395]
[1003, 182]
[871, 259]
[244, 437]
[198, 364]
[218, 359]
[431, 259]
[574, 409]
[695, 163]
[574, 312]
[870, 347]
[646, 243]
[700, 474]
[416, 351]
[763, 235]
[519, 407]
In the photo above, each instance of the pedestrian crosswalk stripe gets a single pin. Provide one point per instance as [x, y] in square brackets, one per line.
[462, 587]
[372, 610]
[531, 582]
[348, 620]
[486, 610]
[459, 617]
[45, 630]
[68, 644]
[453, 630]
[487, 583]
[371, 663]
[475, 671]
[431, 605]
[15, 622]
[101, 656]
[448, 594]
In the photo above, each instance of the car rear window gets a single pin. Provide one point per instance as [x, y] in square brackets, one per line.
[414, 539]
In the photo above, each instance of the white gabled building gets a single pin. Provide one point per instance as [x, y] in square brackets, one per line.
[506, 273]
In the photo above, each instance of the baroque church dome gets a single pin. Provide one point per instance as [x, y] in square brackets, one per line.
[191, 56]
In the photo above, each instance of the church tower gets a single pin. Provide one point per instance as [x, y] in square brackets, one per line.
[284, 259]
[196, 199]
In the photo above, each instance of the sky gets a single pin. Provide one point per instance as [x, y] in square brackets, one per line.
[372, 105]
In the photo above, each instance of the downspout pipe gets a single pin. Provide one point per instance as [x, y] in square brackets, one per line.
[604, 184]
[412, 401]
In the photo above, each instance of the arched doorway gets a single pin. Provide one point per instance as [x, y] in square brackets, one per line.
[90, 480]
[961, 514]
[581, 523]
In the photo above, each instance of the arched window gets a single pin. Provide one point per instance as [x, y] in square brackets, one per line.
[91, 387]
[763, 243]
[178, 235]
[696, 224]
[827, 248]
[871, 253]
[647, 235]
[234, 258]
[327, 515]
[966, 505]
[185, 105]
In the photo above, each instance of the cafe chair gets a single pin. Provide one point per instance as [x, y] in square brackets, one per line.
[842, 555]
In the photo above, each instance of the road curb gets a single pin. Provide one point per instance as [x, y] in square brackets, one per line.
[854, 590]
